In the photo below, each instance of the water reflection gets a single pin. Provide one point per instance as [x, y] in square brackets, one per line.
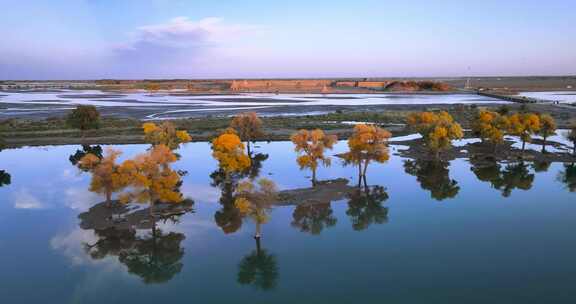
[513, 176]
[258, 269]
[5, 178]
[568, 177]
[155, 257]
[228, 218]
[75, 158]
[313, 218]
[434, 176]
[135, 239]
[365, 207]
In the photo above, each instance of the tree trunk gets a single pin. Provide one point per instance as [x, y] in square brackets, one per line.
[109, 199]
[313, 177]
[359, 175]
[258, 234]
[523, 146]
[258, 250]
[248, 148]
[544, 145]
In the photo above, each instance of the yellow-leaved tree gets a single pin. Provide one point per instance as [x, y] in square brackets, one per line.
[255, 201]
[547, 129]
[367, 143]
[524, 125]
[310, 146]
[165, 134]
[107, 177]
[490, 127]
[248, 126]
[151, 178]
[437, 129]
[228, 150]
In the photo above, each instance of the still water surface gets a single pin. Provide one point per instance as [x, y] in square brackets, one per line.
[429, 234]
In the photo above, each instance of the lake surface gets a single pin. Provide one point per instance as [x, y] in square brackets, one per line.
[560, 96]
[181, 104]
[427, 233]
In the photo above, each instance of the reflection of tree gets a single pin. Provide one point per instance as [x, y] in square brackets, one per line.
[568, 177]
[258, 269]
[365, 207]
[228, 218]
[156, 257]
[95, 150]
[513, 176]
[433, 175]
[541, 166]
[5, 178]
[313, 218]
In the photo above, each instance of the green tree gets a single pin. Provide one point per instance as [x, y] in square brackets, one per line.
[84, 117]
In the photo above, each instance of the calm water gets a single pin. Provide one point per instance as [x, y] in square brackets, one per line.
[435, 233]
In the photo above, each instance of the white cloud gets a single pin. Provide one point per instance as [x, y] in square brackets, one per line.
[176, 48]
[80, 199]
[24, 200]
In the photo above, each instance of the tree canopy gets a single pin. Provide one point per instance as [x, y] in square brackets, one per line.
[84, 117]
[310, 146]
[437, 128]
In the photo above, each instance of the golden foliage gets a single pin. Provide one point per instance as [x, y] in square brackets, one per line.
[151, 177]
[107, 177]
[547, 125]
[165, 134]
[311, 145]
[368, 142]
[491, 126]
[437, 129]
[524, 125]
[228, 150]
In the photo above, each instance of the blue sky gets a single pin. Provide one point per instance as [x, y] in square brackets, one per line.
[88, 39]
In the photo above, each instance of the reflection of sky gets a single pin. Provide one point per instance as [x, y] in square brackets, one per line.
[477, 233]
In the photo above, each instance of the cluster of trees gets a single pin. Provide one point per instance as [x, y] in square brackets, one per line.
[147, 178]
[492, 127]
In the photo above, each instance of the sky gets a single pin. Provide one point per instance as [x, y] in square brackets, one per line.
[135, 39]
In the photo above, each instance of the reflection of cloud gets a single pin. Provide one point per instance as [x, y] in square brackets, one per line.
[24, 200]
[80, 199]
[201, 193]
[71, 175]
[71, 245]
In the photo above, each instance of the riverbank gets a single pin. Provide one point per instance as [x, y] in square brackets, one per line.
[118, 130]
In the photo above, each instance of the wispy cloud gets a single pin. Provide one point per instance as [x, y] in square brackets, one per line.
[176, 48]
[24, 200]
